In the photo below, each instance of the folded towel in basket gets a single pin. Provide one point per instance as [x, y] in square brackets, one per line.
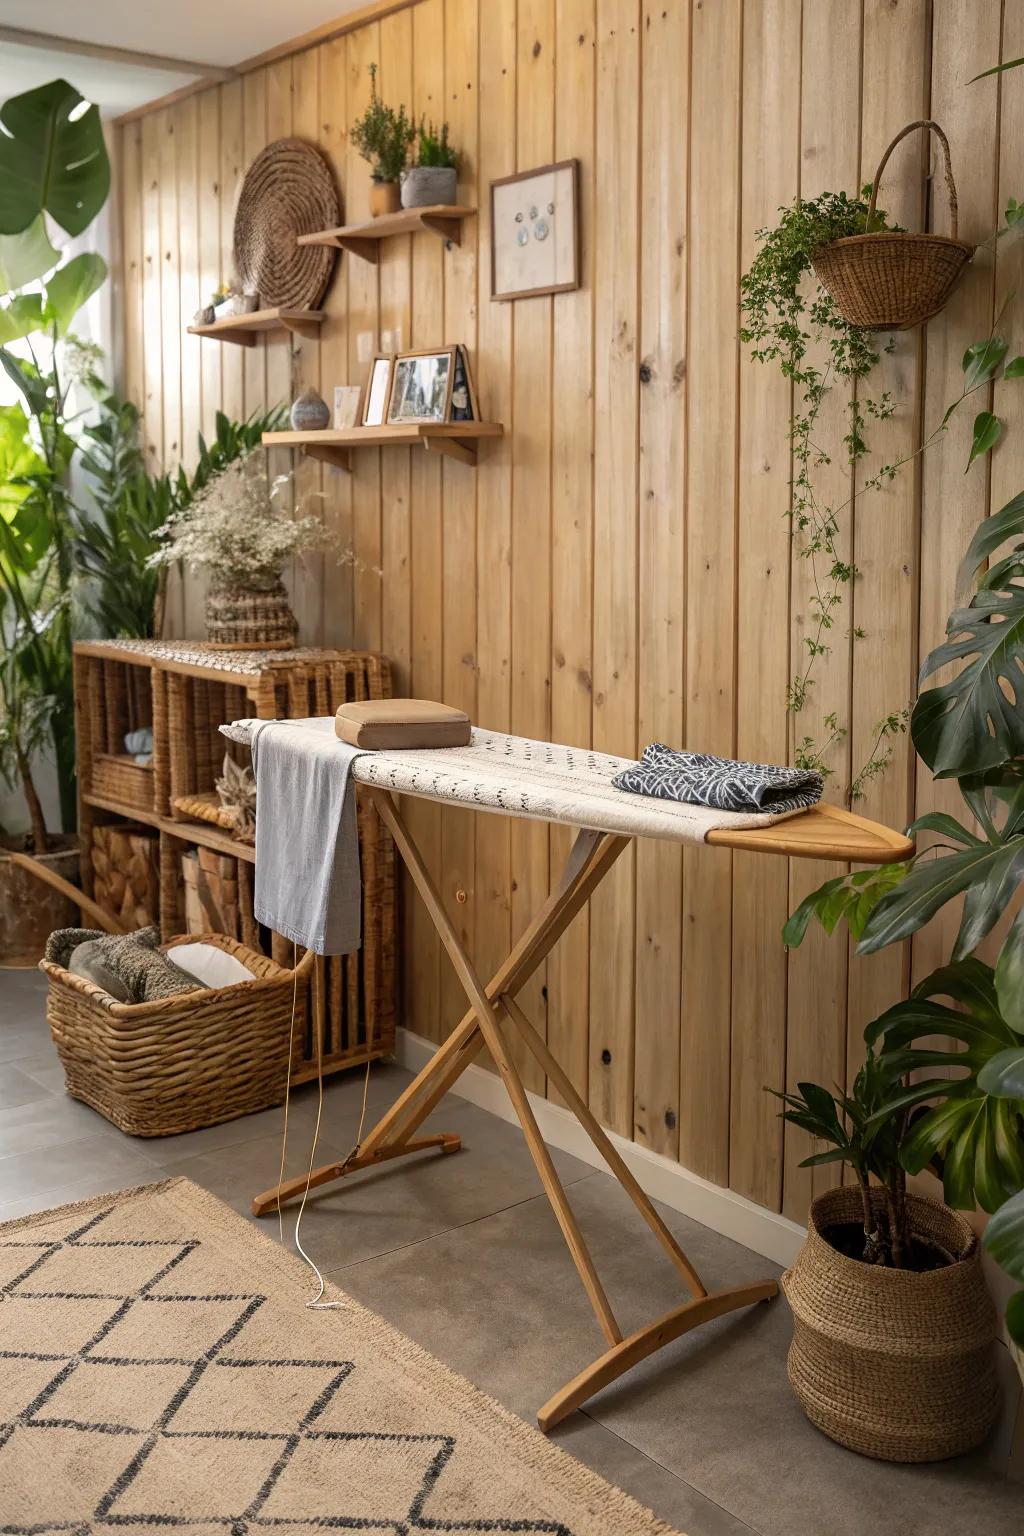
[698, 778]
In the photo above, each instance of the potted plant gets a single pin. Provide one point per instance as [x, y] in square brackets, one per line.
[433, 180]
[53, 164]
[382, 136]
[234, 528]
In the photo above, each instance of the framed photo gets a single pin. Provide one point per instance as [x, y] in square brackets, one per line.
[378, 386]
[347, 400]
[535, 232]
[421, 386]
[464, 405]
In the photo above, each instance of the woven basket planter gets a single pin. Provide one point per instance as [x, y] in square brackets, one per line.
[892, 280]
[179, 1063]
[893, 1363]
[250, 619]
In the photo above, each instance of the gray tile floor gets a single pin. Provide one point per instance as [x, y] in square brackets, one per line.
[464, 1255]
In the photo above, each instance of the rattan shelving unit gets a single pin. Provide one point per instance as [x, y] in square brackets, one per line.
[186, 690]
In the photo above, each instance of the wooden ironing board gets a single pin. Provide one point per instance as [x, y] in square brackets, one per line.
[825, 832]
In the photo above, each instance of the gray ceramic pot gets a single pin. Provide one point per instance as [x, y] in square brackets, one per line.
[310, 413]
[429, 186]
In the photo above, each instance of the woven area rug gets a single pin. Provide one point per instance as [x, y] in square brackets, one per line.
[159, 1371]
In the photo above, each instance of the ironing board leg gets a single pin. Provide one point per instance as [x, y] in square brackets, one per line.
[394, 1132]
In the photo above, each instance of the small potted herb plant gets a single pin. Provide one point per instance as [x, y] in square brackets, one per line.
[383, 136]
[433, 180]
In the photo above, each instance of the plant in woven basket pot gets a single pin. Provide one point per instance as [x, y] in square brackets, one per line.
[235, 528]
[944, 1090]
[434, 179]
[383, 136]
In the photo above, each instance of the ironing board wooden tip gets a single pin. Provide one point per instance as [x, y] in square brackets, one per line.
[821, 832]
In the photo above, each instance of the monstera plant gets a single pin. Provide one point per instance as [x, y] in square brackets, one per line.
[54, 176]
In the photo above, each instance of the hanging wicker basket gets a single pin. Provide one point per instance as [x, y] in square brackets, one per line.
[243, 619]
[891, 280]
[890, 1362]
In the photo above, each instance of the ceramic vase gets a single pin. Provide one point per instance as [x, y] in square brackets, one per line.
[310, 413]
[429, 186]
[385, 197]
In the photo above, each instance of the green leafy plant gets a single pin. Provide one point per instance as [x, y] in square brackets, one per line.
[433, 147]
[383, 136]
[1004, 1239]
[52, 159]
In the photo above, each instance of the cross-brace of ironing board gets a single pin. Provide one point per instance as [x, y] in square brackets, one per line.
[825, 833]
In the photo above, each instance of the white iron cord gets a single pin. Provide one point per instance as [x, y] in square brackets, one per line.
[317, 1304]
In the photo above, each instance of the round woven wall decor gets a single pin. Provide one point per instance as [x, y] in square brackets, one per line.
[288, 191]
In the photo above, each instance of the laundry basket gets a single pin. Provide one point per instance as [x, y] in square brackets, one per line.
[179, 1063]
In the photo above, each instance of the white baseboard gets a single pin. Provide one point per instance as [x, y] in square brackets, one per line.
[773, 1236]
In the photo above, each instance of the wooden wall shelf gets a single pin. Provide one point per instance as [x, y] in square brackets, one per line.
[456, 439]
[243, 329]
[363, 240]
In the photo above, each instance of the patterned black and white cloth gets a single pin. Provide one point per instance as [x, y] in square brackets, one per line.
[698, 778]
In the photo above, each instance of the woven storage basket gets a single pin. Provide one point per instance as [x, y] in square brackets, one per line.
[115, 776]
[184, 1062]
[288, 191]
[892, 280]
[248, 619]
[888, 1362]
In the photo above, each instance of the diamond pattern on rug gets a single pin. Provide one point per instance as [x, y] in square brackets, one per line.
[138, 1458]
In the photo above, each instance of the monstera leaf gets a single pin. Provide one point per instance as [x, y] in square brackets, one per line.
[20, 317]
[25, 257]
[976, 1126]
[1006, 524]
[71, 286]
[976, 721]
[988, 874]
[52, 159]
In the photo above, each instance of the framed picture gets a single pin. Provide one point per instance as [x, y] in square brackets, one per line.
[421, 386]
[535, 232]
[464, 405]
[378, 386]
[347, 400]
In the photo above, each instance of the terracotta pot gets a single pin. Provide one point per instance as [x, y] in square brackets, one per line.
[891, 1362]
[30, 910]
[385, 197]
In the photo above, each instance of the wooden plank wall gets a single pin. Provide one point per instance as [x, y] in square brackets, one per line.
[618, 569]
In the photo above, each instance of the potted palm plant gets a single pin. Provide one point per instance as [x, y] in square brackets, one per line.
[383, 136]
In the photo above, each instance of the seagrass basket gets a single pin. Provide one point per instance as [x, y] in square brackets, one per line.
[179, 1063]
[241, 618]
[893, 280]
[892, 1363]
[116, 776]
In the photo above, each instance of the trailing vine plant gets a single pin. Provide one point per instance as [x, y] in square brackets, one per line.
[790, 320]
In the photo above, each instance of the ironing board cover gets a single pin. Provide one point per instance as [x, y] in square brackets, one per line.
[538, 781]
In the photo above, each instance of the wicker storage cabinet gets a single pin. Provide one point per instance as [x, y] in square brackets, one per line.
[179, 1063]
[186, 690]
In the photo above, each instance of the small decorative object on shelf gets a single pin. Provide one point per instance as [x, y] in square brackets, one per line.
[205, 316]
[235, 530]
[288, 190]
[890, 279]
[382, 136]
[535, 232]
[309, 412]
[347, 400]
[434, 179]
[378, 387]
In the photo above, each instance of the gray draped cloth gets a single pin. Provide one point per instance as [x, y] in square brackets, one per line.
[308, 884]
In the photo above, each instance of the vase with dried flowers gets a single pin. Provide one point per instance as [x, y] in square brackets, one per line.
[237, 530]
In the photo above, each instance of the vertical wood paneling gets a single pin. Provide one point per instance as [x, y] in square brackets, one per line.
[423, 959]
[334, 348]
[531, 506]
[885, 594]
[661, 576]
[458, 489]
[494, 480]
[771, 158]
[618, 568]
[572, 515]
[830, 158]
[133, 325]
[710, 564]
[616, 303]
